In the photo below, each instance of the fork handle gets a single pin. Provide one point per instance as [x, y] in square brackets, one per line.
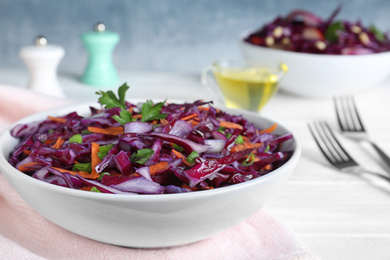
[382, 154]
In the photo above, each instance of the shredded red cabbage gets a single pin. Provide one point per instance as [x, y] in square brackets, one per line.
[191, 147]
[303, 31]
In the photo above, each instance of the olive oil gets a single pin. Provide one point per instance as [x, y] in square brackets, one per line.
[247, 88]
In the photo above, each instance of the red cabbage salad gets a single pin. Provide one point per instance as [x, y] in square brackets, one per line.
[147, 148]
[303, 31]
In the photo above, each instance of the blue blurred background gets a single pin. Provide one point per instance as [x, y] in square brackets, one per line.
[161, 35]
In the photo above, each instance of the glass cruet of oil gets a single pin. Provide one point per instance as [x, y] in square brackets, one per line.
[244, 84]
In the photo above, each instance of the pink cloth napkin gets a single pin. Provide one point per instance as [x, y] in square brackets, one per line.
[24, 234]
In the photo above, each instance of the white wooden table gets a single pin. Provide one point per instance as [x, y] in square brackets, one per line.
[337, 216]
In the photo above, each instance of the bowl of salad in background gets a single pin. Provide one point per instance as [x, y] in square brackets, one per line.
[325, 57]
[44, 157]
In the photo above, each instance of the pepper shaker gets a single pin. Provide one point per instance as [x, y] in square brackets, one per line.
[100, 44]
[42, 61]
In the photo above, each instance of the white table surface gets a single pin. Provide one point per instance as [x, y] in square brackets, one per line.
[337, 216]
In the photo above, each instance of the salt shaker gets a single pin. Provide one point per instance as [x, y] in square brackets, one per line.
[100, 44]
[42, 60]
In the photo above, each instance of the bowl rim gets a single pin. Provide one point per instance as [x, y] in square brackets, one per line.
[293, 54]
[7, 168]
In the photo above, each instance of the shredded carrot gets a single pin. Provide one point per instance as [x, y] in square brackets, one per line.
[246, 139]
[269, 129]
[180, 156]
[203, 108]
[238, 148]
[244, 146]
[86, 188]
[58, 143]
[27, 166]
[251, 158]
[95, 160]
[249, 145]
[27, 152]
[193, 122]
[131, 110]
[164, 122]
[58, 119]
[137, 116]
[113, 130]
[268, 167]
[230, 125]
[135, 174]
[189, 117]
[158, 167]
[186, 186]
[81, 173]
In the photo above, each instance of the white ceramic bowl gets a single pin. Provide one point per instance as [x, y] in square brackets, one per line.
[320, 75]
[146, 221]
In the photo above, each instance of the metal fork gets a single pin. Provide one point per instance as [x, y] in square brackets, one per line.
[334, 152]
[351, 124]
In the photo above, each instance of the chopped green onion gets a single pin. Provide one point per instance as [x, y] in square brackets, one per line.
[250, 160]
[142, 155]
[103, 150]
[102, 175]
[221, 129]
[192, 157]
[94, 189]
[240, 140]
[178, 148]
[77, 138]
[85, 167]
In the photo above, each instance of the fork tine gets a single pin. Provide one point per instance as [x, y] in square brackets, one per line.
[353, 107]
[343, 113]
[320, 144]
[347, 114]
[339, 113]
[335, 142]
[329, 145]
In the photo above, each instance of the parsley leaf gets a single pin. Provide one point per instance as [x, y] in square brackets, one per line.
[124, 117]
[152, 112]
[331, 33]
[149, 111]
[378, 34]
[109, 100]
